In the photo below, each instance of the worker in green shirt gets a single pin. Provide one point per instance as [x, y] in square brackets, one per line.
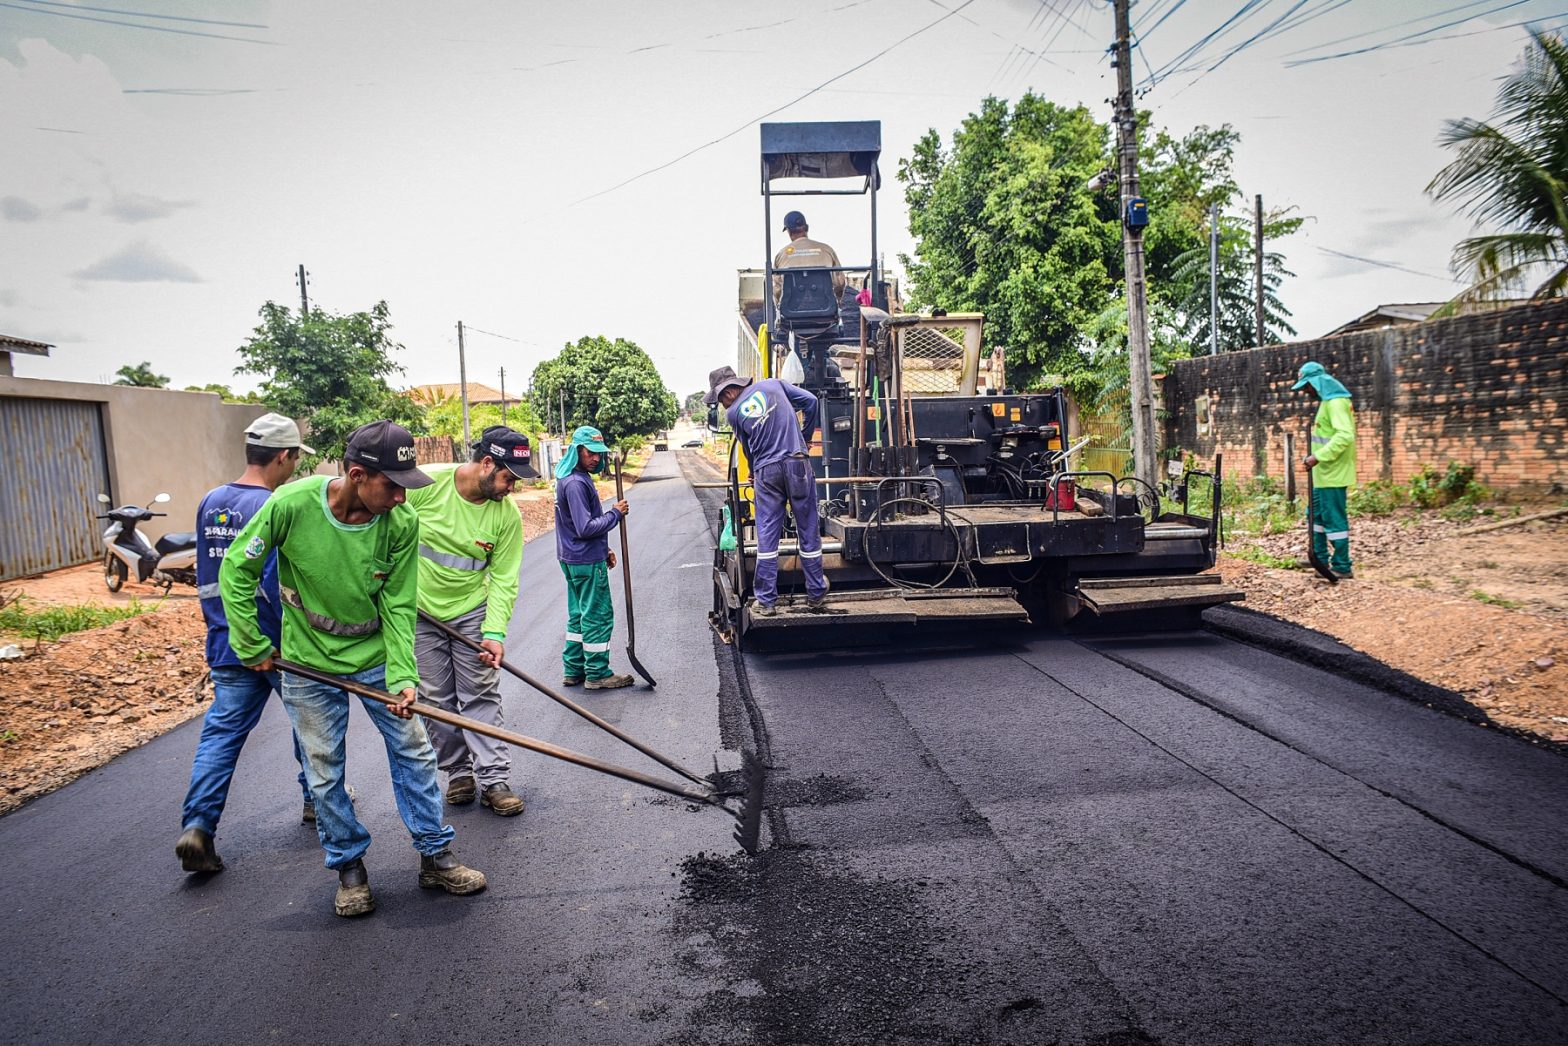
[1333, 464]
[470, 553]
[347, 551]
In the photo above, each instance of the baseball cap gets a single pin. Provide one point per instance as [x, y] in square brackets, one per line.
[590, 437]
[508, 448]
[794, 220]
[275, 431]
[387, 447]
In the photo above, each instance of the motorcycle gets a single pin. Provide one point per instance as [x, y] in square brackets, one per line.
[172, 559]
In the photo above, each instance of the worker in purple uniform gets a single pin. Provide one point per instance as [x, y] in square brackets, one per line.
[762, 416]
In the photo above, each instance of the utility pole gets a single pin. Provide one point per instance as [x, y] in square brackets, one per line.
[562, 391]
[304, 295]
[503, 395]
[462, 379]
[1214, 279]
[1257, 261]
[1142, 392]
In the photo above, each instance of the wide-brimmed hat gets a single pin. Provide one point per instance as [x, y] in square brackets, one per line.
[1309, 370]
[584, 436]
[721, 379]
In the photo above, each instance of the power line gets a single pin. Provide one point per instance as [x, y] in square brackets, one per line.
[1390, 28]
[1388, 265]
[144, 14]
[1403, 39]
[471, 329]
[33, 8]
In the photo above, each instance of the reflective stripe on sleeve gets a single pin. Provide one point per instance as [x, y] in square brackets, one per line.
[448, 560]
[323, 623]
[211, 591]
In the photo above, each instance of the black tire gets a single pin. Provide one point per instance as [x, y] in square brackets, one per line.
[114, 572]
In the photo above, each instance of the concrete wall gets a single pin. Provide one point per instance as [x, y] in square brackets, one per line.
[1488, 390]
[182, 443]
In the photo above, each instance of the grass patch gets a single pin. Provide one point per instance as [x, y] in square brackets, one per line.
[1258, 556]
[51, 623]
[1495, 601]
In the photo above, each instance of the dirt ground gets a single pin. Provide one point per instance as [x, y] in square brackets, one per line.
[1485, 615]
[72, 705]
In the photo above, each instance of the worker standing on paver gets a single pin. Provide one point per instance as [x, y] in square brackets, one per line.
[272, 450]
[762, 416]
[347, 551]
[470, 553]
[582, 526]
[1333, 465]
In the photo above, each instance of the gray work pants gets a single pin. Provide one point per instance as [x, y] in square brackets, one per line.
[451, 675]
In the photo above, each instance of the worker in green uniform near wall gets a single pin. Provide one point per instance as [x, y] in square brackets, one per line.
[1333, 465]
[470, 553]
[582, 545]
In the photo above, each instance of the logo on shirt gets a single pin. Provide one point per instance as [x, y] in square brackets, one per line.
[255, 548]
[755, 408]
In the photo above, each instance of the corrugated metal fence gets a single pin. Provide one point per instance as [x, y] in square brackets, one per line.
[55, 466]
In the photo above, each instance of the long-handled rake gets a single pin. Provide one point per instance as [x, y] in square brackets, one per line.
[626, 580]
[743, 804]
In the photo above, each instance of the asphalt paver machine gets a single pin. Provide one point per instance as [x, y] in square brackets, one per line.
[947, 499]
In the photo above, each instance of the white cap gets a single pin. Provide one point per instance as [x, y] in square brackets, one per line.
[274, 430]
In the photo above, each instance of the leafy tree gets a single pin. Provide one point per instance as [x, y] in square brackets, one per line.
[612, 385]
[329, 372]
[1101, 385]
[444, 417]
[1513, 172]
[695, 406]
[141, 376]
[227, 394]
[1187, 290]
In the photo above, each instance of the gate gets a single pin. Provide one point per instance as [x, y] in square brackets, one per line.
[54, 464]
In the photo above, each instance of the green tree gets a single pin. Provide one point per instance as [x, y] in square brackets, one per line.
[141, 376]
[227, 394]
[611, 384]
[1187, 290]
[695, 405]
[444, 417]
[1513, 172]
[329, 372]
[1101, 385]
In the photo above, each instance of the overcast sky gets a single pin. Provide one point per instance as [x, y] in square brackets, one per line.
[158, 184]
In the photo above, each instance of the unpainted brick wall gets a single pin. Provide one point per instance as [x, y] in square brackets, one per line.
[1489, 390]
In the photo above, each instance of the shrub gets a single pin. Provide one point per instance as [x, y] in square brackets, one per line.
[53, 622]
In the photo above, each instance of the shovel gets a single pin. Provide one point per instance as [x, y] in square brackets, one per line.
[747, 811]
[626, 580]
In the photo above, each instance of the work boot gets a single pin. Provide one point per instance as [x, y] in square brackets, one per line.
[196, 852]
[1343, 575]
[819, 602]
[764, 610]
[608, 683]
[500, 798]
[353, 892]
[460, 791]
[442, 872]
[308, 814]
[1304, 562]
[572, 681]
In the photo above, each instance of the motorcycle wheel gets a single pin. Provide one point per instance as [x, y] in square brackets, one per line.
[114, 572]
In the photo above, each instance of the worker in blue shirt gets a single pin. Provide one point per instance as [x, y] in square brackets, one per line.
[762, 416]
[582, 544]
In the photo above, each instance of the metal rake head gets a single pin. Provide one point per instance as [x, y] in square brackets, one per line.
[748, 818]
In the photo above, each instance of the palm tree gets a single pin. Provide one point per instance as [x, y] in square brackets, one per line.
[1513, 172]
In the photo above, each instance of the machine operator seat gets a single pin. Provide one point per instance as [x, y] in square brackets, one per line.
[807, 306]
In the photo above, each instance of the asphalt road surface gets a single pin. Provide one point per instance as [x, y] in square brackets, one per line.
[1178, 839]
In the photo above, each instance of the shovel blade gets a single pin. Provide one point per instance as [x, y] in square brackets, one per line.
[631, 655]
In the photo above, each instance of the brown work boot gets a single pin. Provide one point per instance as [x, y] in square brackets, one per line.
[196, 852]
[764, 610]
[608, 683]
[308, 814]
[353, 892]
[500, 798]
[460, 791]
[442, 872]
[571, 680]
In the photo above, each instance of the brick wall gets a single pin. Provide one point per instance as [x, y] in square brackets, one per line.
[1489, 390]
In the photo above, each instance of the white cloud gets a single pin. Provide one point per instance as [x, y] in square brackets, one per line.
[139, 207]
[139, 262]
[16, 209]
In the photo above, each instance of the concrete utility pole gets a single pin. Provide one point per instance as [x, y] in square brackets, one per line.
[1142, 391]
[304, 295]
[1214, 279]
[462, 379]
[1257, 261]
[503, 395]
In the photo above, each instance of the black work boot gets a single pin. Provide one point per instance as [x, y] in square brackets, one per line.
[353, 892]
[196, 852]
[442, 872]
[500, 798]
[308, 814]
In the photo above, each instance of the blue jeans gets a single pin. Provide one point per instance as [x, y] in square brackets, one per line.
[239, 696]
[320, 716]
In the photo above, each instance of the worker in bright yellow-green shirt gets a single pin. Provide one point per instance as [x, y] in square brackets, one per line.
[1333, 464]
[470, 552]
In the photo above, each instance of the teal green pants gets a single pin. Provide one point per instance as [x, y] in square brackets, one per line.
[1331, 527]
[590, 618]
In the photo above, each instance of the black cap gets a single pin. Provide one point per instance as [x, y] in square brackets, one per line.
[387, 447]
[508, 448]
[794, 220]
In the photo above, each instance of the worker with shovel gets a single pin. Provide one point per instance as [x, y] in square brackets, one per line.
[470, 553]
[1333, 464]
[347, 551]
[582, 526]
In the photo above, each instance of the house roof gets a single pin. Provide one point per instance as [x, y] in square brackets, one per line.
[477, 393]
[1398, 314]
[31, 348]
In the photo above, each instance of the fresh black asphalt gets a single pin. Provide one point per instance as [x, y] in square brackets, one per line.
[1037, 839]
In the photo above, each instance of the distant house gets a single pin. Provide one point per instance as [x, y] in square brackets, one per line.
[478, 393]
[1405, 314]
[9, 344]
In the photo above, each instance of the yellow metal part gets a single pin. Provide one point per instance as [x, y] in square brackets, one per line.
[764, 351]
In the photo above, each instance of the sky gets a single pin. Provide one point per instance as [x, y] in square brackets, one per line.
[545, 171]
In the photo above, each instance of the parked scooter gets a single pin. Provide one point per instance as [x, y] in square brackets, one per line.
[172, 559]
